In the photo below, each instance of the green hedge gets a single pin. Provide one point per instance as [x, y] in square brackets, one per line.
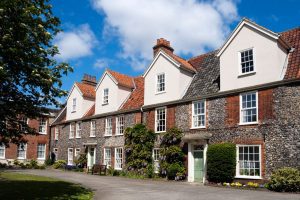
[221, 162]
[286, 179]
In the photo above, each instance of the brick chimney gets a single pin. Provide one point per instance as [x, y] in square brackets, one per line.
[88, 79]
[163, 44]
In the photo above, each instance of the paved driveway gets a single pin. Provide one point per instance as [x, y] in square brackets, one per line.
[119, 188]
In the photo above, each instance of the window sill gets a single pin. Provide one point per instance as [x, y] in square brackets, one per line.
[92, 136]
[74, 111]
[246, 74]
[104, 104]
[42, 133]
[160, 131]
[200, 127]
[71, 138]
[250, 123]
[158, 93]
[107, 135]
[78, 137]
[249, 177]
[118, 168]
[119, 134]
[41, 158]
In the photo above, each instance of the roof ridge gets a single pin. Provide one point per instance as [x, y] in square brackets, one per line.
[207, 53]
[288, 30]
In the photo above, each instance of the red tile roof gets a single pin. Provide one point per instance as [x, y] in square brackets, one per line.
[185, 64]
[90, 112]
[136, 98]
[88, 91]
[293, 38]
[122, 79]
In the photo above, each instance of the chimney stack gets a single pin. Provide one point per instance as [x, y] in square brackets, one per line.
[163, 44]
[88, 79]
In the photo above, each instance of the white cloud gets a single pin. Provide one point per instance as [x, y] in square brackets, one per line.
[191, 26]
[76, 43]
[102, 63]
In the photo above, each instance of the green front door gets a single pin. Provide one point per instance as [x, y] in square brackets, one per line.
[198, 166]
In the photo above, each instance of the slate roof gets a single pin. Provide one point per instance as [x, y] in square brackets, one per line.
[207, 78]
[136, 98]
[122, 79]
[293, 38]
[88, 91]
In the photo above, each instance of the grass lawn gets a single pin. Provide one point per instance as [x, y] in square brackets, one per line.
[23, 186]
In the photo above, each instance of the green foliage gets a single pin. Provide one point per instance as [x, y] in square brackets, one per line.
[48, 162]
[81, 161]
[30, 76]
[221, 162]
[139, 143]
[16, 162]
[59, 164]
[33, 164]
[3, 165]
[172, 156]
[286, 179]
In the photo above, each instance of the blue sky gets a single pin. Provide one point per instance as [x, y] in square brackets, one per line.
[120, 34]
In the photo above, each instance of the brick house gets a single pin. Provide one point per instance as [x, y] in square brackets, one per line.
[35, 147]
[247, 92]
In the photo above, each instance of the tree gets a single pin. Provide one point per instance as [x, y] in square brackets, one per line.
[30, 77]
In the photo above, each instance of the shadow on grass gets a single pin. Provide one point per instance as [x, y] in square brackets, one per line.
[32, 189]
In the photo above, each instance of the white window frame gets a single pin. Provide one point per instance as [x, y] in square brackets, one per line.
[108, 126]
[240, 62]
[72, 131]
[106, 158]
[158, 85]
[25, 121]
[117, 167]
[238, 166]
[156, 120]
[105, 96]
[43, 126]
[78, 129]
[241, 108]
[156, 159]
[24, 149]
[120, 125]
[194, 117]
[70, 163]
[43, 150]
[77, 152]
[56, 133]
[93, 128]
[74, 103]
[2, 148]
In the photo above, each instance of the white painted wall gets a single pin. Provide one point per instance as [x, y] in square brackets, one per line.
[269, 60]
[117, 95]
[176, 82]
[82, 105]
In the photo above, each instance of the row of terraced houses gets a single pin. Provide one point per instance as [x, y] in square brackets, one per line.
[247, 92]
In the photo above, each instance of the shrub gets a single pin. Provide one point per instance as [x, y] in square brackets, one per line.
[139, 143]
[3, 165]
[252, 185]
[22, 165]
[172, 156]
[59, 164]
[16, 162]
[81, 161]
[48, 162]
[116, 173]
[286, 179]
[221, 162]
[110, 171]
[42, 167]
[33, 163]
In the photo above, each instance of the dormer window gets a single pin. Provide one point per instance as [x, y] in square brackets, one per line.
[105, 96]
[74, 105]
[247, 61]
[160, 83]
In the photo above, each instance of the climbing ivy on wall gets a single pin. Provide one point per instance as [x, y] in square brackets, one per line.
[139, 142]
[172, 156]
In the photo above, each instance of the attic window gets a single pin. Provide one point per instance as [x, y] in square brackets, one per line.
[105, 96]
[74, 105]
[160, 83]
[247, 63]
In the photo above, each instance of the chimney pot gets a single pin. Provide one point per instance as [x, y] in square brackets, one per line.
[163, 44]
[88, 79]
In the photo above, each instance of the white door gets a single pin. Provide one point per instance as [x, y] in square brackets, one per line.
[70, 156]
[91, 156]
